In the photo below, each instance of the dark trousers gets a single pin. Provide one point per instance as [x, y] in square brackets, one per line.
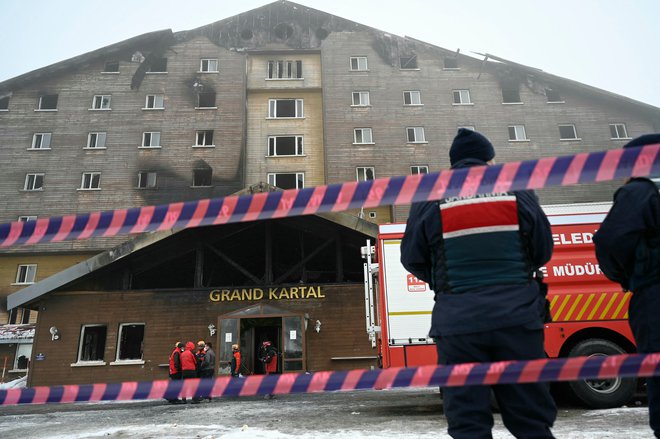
[528, 410]
[645, 324]
[174, 377]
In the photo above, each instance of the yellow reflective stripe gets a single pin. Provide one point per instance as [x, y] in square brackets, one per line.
[575, 303]
[409, 313]
[609, 305]
[563, 304]
[618, 308]
[554, 300]
[593, 311]
[392, 242]
[585, 306]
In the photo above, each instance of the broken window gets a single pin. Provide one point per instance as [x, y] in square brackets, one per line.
[158, 65]
[361, 98]
[359, 63]
[208, 65]
[365, 173]
[131, 337]
[4, 103]
[151, 139]
[412, 97]
[284, 69]
[462, 97]
[206, 100]
[34, 182]
[510, 96]
[146, 180]
[48, 102]
[294, 180]
[567, 132]
[285, 145]
[285, 108]
[26, 273]
[362, 135]
[451, 63]
[419, 170]
[154, 102]
[92, 343]
[101, 102]
[618, 131]
[23, 353]
[90, 181]
[202, 177]
[408, 62]
[96, 140]
[41, 141]
[204, 138]
[415, 135]
[111, 67]
[553, 95]
[517, 133]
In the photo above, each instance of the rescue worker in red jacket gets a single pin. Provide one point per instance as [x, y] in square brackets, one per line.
[189, 364]
[268, 356]
[235, 360]
[175, 366]
[199, 355]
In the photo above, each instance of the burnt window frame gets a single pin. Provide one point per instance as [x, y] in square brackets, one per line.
[205, 95]
[48, 102]
[299, 178]
[298, 146]
[450, 63]
[508, 94]
[110, 64]
[158, 66]
[144, 180]
[4, 103]
[410, 61]
[121, 356]
[100, 346]
[555, 98]
[208, 178]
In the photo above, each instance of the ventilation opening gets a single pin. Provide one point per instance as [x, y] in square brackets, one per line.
[283, 31]
[322, 34]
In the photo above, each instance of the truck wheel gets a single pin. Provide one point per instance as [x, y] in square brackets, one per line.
[601, 394]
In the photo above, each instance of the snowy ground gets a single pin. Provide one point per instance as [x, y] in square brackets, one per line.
[399, 413]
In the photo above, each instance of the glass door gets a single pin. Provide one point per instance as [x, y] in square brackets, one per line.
[293, 358]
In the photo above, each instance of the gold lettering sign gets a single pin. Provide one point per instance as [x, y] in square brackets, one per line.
[273, 293]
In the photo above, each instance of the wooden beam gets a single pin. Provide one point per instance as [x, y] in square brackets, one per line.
[304, 260]
[228, 260]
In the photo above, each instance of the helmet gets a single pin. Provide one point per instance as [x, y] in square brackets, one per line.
[201, 344]
[266, 343]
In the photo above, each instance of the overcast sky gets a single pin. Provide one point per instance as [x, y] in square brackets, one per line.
[607, 44]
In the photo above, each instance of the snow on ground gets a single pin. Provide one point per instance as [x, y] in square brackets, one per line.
[18, 383]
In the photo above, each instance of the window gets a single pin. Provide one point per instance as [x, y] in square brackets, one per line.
[451, 63]
[25, 318]
[462, 97]
[101, 102]
[517, 133]
[158, 66]
[96, 140]
[567, 132]
[111, 67]
[553, 96]
[365, 173]
[41, 141]
[130, 340]
[154, 102]
[151, 139]
[206, 100]
[4, 103]
[90, 181]
[26, 273]
[34, 182]
[285, 69]
[48, 102]
[618, 131]
[92, 343]
[146, 180]
[359, 63]
[412, 97]
[26, 218]
[204, 138]
[13, 316]
[510, 96]
[208, 65]
[415, 135]
[408, 62]
[419, 170]
[294, 180]
[362, 135]
[22, 357]
[285, 108]
[285, 145]
[361, 98]
[202, 177]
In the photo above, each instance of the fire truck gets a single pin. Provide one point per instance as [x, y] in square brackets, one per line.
[589, 312]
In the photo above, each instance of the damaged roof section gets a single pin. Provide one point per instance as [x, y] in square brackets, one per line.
[16, 333]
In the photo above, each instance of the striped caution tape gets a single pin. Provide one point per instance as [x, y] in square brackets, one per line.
[531, 174]
[505, 372]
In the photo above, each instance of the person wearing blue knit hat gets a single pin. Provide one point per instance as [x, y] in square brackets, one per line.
[628, 252]
[479, 255]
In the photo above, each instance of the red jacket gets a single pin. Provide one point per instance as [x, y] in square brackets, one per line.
[188, 360]
[175, 361]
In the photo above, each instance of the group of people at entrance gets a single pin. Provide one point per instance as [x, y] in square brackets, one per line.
[187, 362]
[481, 255]
[267, 356]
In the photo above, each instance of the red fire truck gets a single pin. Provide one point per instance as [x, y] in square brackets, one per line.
[589, 313]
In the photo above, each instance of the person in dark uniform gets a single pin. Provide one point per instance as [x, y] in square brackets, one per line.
[479, 255]
[628, 252]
